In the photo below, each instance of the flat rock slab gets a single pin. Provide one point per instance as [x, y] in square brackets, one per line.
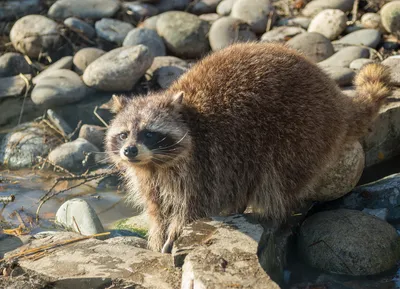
[95, 259]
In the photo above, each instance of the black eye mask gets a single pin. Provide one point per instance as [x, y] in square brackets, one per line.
[155, 140]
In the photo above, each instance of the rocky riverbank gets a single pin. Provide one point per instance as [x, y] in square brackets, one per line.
[60, 63]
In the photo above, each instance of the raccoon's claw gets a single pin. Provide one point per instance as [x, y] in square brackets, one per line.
[167, 248]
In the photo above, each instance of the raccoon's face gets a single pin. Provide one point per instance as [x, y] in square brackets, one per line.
[148, 130]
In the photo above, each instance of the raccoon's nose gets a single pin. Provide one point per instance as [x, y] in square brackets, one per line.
[131, 151]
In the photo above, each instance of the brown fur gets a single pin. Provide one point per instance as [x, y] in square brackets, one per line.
[257, 125]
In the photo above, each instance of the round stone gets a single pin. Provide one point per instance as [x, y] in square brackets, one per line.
[313, 45]
[255, 13]
[12, 63]
[170, 5]
[139, 10]
[393, 62]
[390, 14]
[364, 37]
[63, 63]
[228, 30]
[371, 20]
[330, 23]
[119, 69]
[316, 6]
[80, 26]
[224, 8]
[165, 76]
[303, 22]
[150, 23]
[10, 10]
[166, 61]
[84, 57]
[184, 34]
[281, 34]
[342, 75]
[60, 87]
[204, 6]
[357, 64]
[348, 242]
[35, 34]
[112, 30]
[91, 9]
[345, 56]
[147, 37]
[210, 17]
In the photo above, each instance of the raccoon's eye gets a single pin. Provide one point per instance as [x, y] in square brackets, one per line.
[123, 136]
[149, 134]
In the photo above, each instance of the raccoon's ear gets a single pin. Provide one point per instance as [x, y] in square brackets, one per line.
[118, 103]
[177, 98]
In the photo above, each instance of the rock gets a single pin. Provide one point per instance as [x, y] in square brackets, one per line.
[204, 6]
[94, 134]
[184, 34]
[14, 9]
[220, 251]
[92, 9]
[210, 17]
[371, 20]
[166, 61]
[341, 176]
[10, 109]
[104, 265]
[302, 22]
[313, 45]
[84, 57]
[59, 122]
[348, 242]
[255, 13]
[148, 38]
[11, 242]
[390, 14]
[345, 56]
[224, 8]
[70, 155]
[12, 63]
[352, 28]
[60, 87]
[330, 23]
[393, 62]
[63, 63]
[281, 34]
[13, 85]
[166, 75]
[357, 64]
[379, 213]
[119, 69]
[21, 147]
[228, 30]
[138, 224]
[129, 241]
[140, 11]
[80, 26]
[35, 34]
[169, 5]
[365, 37]
[342, 75]
[79, 216]
[316, 6]
[150, 23]
[112, 30]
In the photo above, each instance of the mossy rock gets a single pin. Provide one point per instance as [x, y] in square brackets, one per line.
[137, 224]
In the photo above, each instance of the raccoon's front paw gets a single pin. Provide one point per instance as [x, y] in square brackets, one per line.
[167, 248]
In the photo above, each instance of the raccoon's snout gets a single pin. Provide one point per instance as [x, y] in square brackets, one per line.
[130, 151]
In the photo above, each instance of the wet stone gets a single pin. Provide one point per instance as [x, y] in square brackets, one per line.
[113, 30]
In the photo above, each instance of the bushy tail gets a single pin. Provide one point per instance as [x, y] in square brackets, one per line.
[373, 87]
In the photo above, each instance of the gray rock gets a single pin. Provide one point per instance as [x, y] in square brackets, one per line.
[184, 34]
[129, 241]
[371, 20]
[166, 61]
[281, 34]
[224, 8]
[84, 57]
[341, 176]
[352, 28]
[59, 122]
[393, 62]
[342, 75]
[14, 9]
[11, 242]
[93, 9]
[139, 224]
[379, 213]
[313, 45]
[302, 22]
[150, 23]
[35, 34]
[59, 87]
[119, 69]
[228, 30]
[80, 26]
[210, 17]
[348, 242]
[330, 23]
[345, 56]
[169, 5]
[13, 85]
[21, 147]
[316, 6]
[390, 14]
[94, 134]
[365, 37]
[140, 11]
[165, 76]
[356, 64]
[70, 155]
[63, 63]
[112, 30]
[12, 63]
[148, 38]
[255, 13]
[78, 216]
[204, 6]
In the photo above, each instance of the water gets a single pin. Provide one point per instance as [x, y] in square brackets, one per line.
[29, 186]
